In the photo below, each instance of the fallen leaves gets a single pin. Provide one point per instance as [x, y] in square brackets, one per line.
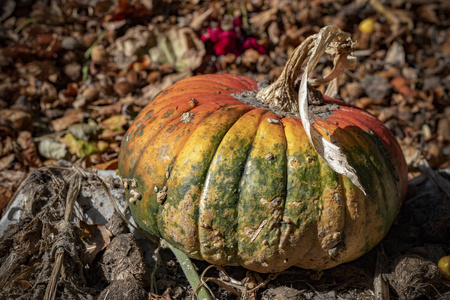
[70, 117]
[95, 238]
[16, 119]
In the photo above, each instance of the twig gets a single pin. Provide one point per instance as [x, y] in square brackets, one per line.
[72, 195]
[380, 286]
[87, 54]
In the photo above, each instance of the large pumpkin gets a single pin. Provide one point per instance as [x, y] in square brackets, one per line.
[234, 183]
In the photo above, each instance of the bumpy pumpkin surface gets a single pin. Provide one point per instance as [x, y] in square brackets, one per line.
[235, 184]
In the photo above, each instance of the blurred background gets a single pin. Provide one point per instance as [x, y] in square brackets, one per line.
[74, 74]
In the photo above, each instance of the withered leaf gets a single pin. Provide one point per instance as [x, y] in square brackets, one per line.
[70, 117]
[95, 238]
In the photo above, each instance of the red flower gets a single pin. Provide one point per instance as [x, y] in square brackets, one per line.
[233, 41]
[252, 43]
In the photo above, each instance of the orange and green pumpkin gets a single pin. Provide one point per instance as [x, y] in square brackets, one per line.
[239, 184]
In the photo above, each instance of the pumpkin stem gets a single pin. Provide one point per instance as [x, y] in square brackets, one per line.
[282, 93]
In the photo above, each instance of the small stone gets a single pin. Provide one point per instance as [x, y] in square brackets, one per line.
[396, 55]
[355, 90]
[410, 74]
[376, 87]
[431, 83]
[73, 71]
[69, 43]
[282, 293]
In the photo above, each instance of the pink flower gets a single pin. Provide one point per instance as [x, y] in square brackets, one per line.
[233, 41]
[226, 43]
[252, 43]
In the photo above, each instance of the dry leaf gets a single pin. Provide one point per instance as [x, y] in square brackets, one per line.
[83, 131]
[11, 179]
[52, 149]
[23, 285]
[28, 156]
[399, 83]
[113, 126]
[6, 161]
[5, 196]
[19, 120]
[79, 147]
[96, 238]
[180, 48]
[107, 110]
[70, 117]
[109, 165]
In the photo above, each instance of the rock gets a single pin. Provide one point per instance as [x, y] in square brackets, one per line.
[430, 83]
[395, 55]
[354, 89]
[73, 71]
[376, 87]
[69, 43]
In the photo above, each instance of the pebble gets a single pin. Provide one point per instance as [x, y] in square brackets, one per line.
[69, 43]
[73, 71]
[376, 87]
[354, 90]
[395, 55]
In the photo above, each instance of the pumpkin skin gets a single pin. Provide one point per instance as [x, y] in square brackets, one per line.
[235, 184]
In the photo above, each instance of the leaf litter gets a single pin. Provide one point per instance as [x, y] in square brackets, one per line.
[75, 74]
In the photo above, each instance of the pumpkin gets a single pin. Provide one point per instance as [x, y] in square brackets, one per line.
[231, 180]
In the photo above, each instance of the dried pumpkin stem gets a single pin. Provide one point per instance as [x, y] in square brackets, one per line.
[282, 93]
